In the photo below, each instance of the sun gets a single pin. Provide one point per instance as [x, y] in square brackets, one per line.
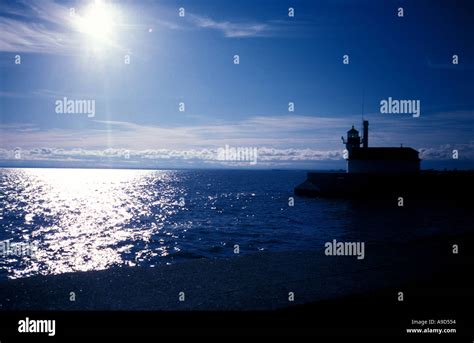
[97, 21]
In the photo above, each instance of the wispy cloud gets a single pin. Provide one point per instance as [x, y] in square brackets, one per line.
[280, 140]
[18, 36]
[278, 132]
[42, 26]
[283, 133]
[244, 29]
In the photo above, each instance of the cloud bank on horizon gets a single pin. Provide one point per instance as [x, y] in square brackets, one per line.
[173, 84]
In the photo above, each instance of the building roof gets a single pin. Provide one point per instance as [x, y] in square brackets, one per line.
[407, 154]
[352, 130]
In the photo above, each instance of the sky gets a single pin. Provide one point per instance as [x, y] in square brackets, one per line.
[168, 94]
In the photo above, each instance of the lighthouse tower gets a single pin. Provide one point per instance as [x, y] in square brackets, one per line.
[353, 140]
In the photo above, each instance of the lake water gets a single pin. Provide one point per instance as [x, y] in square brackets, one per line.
[90, 219]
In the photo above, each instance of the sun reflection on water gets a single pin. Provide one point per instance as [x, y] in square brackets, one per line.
[86, 219]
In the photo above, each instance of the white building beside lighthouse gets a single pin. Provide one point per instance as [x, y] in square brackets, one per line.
[379, 159]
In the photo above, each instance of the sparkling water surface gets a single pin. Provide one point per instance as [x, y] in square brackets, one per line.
[92, 219]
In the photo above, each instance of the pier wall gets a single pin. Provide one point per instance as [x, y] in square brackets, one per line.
[424, 184]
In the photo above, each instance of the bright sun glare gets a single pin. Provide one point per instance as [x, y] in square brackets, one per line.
[97, 21]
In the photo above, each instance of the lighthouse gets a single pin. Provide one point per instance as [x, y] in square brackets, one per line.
[353, 140]
[377, 159]
[382, 172]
